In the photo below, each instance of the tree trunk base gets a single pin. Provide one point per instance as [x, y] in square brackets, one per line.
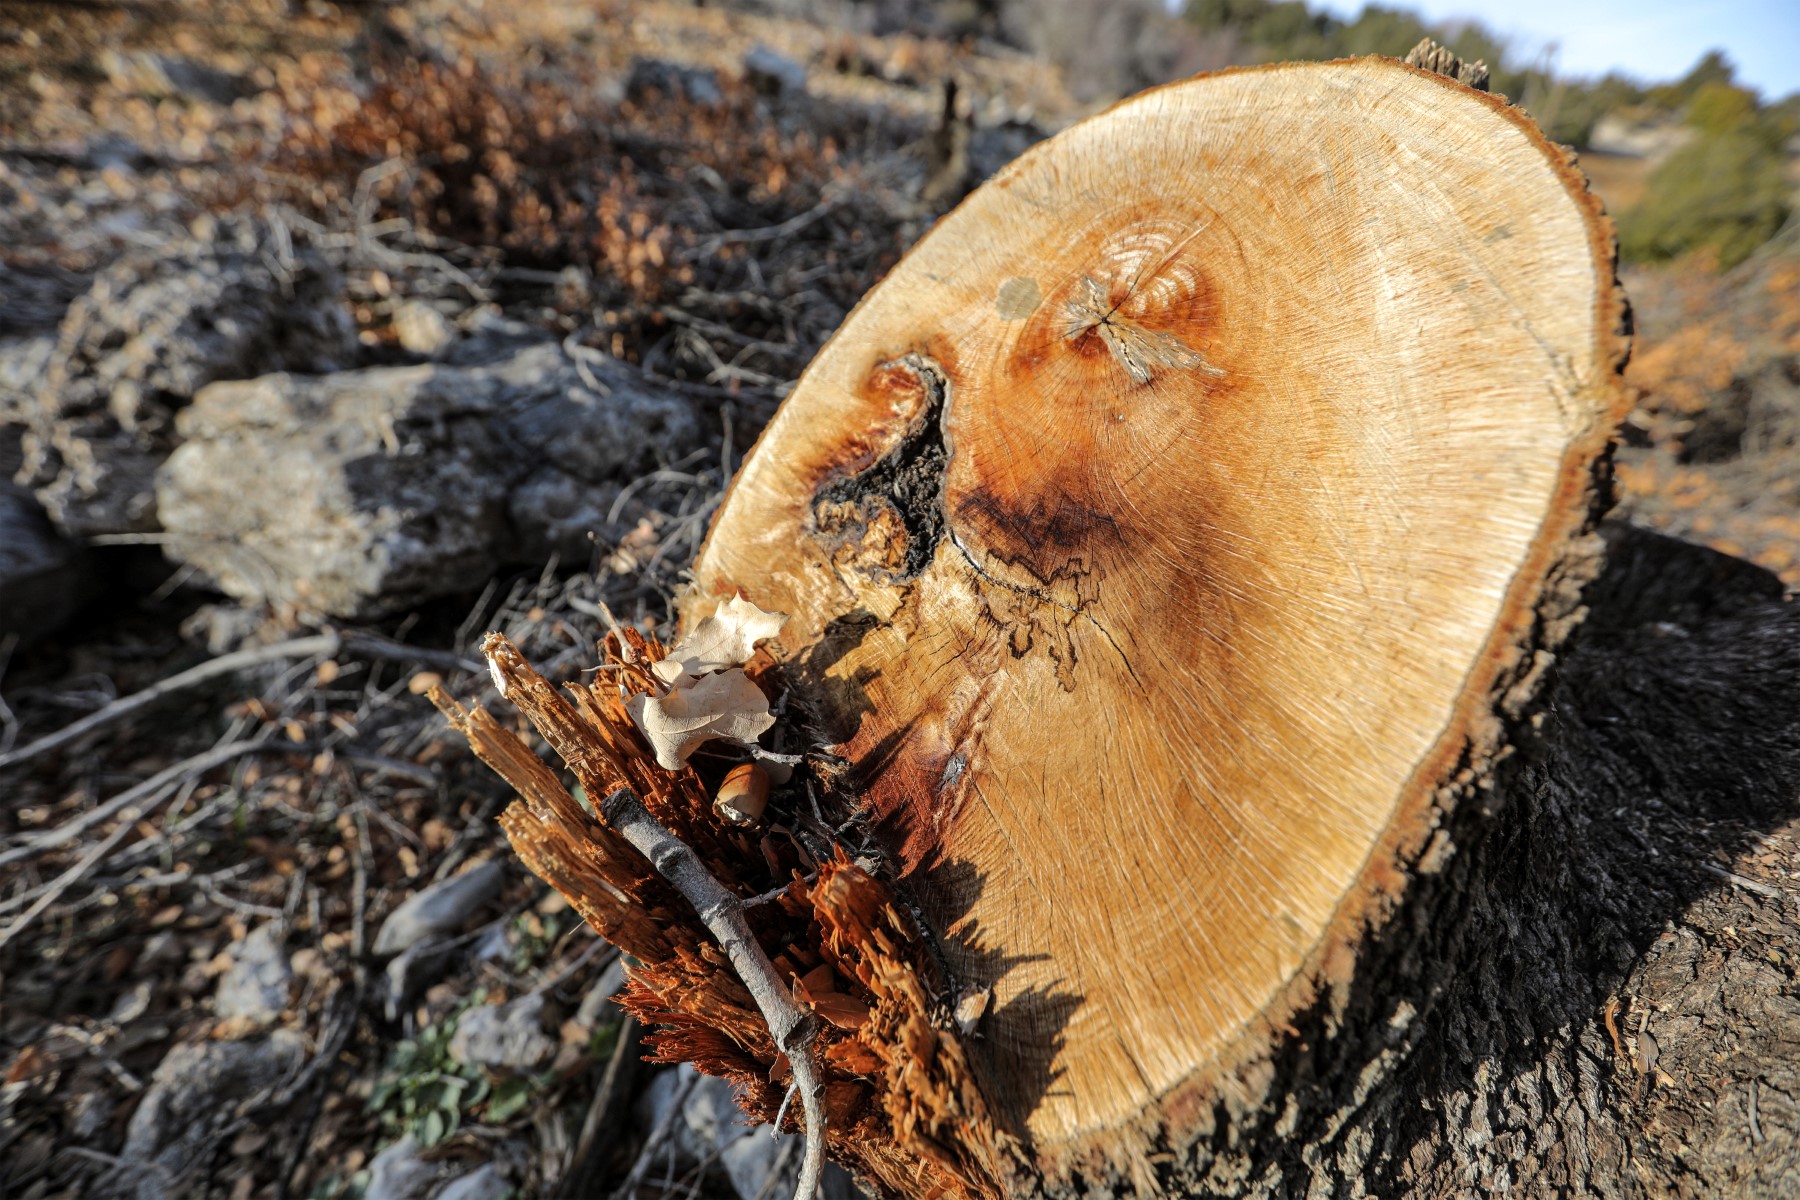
[1592, 990]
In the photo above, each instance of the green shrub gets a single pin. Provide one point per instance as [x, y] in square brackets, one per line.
[1723, 192]
[423, 1090]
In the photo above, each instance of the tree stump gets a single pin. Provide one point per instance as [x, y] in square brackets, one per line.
[1175, 544]
[1182, 550]
[1167, 538]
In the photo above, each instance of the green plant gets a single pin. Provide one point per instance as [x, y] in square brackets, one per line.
[1719, 108]
[1723, 192]
[424, 1090]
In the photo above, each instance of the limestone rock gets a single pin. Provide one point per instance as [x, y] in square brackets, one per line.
[508, 1036]
[400, 1172]
[192, 1097]
[712, 1128]
[486, 1182]
[255, 986]
[151, 331]
[439, 909]
[367, 492]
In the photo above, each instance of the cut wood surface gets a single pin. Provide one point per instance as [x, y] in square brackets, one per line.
[1170, 541]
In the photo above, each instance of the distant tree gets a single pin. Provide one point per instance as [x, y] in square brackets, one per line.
[1713, 67]
[1570, 109]
[1212, 15]
[1113, 49]
[1718, 107]
[1725, 192]
[1378, 30]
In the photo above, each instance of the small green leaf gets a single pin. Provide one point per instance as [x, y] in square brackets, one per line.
[510, 1096]
[433, 1128]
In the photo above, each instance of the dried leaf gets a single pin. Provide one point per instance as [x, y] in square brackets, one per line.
[727, 706]
[726, 639]
[846, 1012]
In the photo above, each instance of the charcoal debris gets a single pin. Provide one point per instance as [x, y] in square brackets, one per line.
[44, 577]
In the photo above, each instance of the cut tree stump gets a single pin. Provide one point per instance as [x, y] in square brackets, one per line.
[1207, 787]
[1168, 537]
[1176, 546]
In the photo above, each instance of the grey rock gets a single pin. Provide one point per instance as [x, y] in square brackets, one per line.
[88, 1113]
[712, 1128]
[485, 337]
[223, 628]
[194, 1095]
[255, 986]
[44, 578]
[131, 1004]
[593, 1008]
[486, 1182]
[413, 970]
[505, 1036]
[366, 492]
[659, 78]
[493, 945]
[772, 72]
[400, 1173]
[147, 73]
[440, 908]
[150, 332]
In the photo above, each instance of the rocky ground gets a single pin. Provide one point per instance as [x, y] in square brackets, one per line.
[334, 336]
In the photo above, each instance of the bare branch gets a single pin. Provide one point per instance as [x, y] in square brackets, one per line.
[192, 677]
[792, 1027]
[145, 793]
[64, 881]
[370, 645]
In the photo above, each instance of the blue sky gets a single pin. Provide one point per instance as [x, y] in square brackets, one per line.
[1650, 39]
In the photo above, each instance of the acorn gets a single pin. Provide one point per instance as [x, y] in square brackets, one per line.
[743, 796]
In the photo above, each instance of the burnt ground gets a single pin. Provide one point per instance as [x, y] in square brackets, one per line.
[635, 178]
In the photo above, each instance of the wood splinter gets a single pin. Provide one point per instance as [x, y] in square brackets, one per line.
[793, 1029]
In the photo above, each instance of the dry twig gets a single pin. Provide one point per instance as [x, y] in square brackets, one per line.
[123, 707]
[723, 914]
[327, 644]
[168, 778]
[67, 879]
[601, 1122]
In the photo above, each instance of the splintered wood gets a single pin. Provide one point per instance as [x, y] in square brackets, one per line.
[900, 1102]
